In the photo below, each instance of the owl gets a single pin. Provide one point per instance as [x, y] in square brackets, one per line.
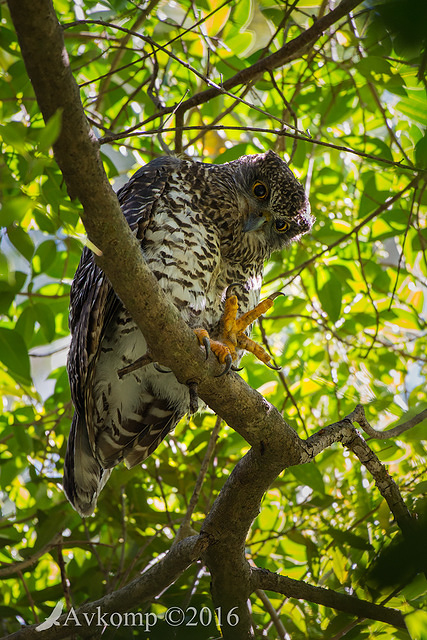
[205, 232]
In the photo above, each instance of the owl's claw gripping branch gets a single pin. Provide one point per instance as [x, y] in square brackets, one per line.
[232, 336]
[206, 343]
[228, 363]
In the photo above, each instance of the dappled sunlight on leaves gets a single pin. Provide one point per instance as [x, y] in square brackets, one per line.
[349, 113]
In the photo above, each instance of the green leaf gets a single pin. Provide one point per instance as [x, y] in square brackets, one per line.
[4, 267]
[25, 324]
[49, 134]
[374, 68]
[420, 488]
[417, 624]
[15, 134]
[330, 296]
[46, 318]
[241, 43]
[414, 107]
[14, 209]
[14, 353]
[21, 241]
[44, 256]
[421, 152]
[309, 475]
[9, 288]
[347, 537]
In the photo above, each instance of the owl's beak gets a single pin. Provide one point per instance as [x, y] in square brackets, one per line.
[254, 222]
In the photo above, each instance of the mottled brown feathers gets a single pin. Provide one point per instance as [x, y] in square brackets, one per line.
[202, 227]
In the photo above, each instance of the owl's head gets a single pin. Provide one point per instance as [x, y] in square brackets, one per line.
[272, 201]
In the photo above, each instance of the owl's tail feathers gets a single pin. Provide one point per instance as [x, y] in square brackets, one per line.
[84, 477]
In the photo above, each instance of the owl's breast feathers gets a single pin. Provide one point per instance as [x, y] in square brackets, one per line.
[202, 227]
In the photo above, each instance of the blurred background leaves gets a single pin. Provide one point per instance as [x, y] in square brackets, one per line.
[351, 329]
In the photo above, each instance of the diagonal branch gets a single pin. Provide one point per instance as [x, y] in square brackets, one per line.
[264, 579]
[344, 432]
[285, 54]
[358, 415]
[153, 581]
[7, 570]
[77, 152]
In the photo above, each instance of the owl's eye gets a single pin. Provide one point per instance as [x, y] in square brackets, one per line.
[260, 190]
[281, 225]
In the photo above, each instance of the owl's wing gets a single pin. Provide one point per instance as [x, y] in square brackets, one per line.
[93, 304]
[92, 300]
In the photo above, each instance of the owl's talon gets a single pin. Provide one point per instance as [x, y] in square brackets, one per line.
[271, 366]
[232, 336]
[207, 345]
[204, 340]
[159, 368]
[228, 363]
[228, 291]
[237, 368]
[276, 295]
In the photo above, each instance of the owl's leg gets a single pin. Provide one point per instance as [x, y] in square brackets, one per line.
[232, 334]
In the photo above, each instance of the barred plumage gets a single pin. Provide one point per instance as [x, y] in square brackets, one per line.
[202, 227]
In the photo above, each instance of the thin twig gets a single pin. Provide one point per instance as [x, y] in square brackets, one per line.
[386, 205]
[276, 132]
[372, 301]
[358, 415]
[7, 570]
[29, 596]
[141, 16]
[64, 580]
[402, 253]
[200, 478]
[281, 631]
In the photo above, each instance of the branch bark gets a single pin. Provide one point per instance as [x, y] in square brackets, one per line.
[344, 432]
[358, 415]
[264, 579]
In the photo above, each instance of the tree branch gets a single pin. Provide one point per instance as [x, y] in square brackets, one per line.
[344, 432]
[358, 415]
[277, 132]
[285, 54]
[7, 570]
[267, 580]
[153, 581]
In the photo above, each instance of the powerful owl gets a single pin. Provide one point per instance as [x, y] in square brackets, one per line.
[205, 231]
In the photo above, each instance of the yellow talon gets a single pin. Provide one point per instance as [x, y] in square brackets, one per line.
[232, 334]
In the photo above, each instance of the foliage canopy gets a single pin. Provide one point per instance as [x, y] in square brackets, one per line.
[349, 112]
